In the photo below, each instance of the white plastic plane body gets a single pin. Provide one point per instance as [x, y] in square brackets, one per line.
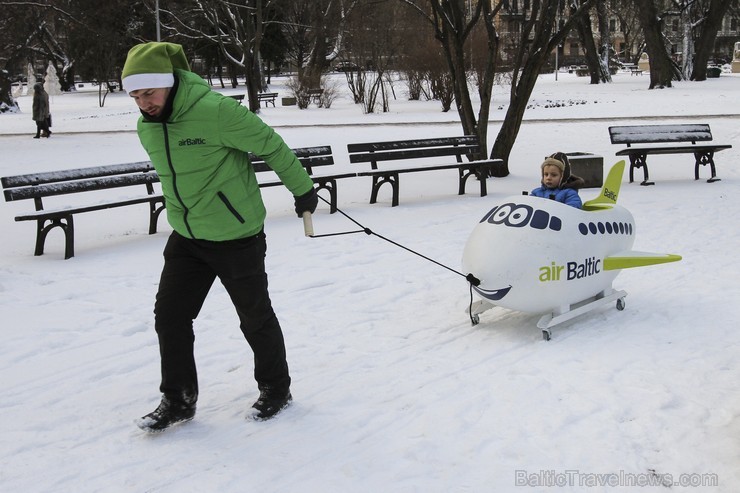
[541, 256]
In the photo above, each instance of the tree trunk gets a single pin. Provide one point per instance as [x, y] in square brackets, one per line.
[532, 56]
[453, 25]
[317, 63]
[586, 35]
[603, 15]
[662, 69]
[708, 34]
[7, 102]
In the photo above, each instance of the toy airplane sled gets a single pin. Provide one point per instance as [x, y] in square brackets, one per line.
[541, 256]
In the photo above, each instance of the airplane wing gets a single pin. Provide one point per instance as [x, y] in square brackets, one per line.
[631, 258]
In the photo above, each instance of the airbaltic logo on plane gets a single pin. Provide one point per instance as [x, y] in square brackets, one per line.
[573, 270]
[192, 142]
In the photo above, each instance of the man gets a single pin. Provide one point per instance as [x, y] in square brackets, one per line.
[198, 139]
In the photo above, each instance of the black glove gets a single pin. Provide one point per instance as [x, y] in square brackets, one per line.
[306, 202]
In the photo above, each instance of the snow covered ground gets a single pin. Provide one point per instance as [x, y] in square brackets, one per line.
[394, 389]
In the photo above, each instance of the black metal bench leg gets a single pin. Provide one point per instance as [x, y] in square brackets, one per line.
[154, 213]
[69, 235]
[378, 181]
[478, 172]
[330, 186]
[374, 191]
[704, 158]
[41, 232]
[640, 161]
[43, 229]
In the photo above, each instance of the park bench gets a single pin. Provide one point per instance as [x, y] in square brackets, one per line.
[310, 157]
[39, 186]
[661, 134]
[421, 149]
[314, 95]
[267, 97]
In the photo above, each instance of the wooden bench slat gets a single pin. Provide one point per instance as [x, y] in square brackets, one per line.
[75, 174]
[91, 184]
[412, 153]
[308, 156]
[653, 134]
[469, 140]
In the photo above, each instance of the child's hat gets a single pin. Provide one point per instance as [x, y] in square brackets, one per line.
[152, 65]
[559, 159]
[551, 161]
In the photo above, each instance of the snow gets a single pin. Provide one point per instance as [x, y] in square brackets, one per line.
[394, 389]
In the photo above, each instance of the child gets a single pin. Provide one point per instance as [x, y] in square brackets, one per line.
[557, 182]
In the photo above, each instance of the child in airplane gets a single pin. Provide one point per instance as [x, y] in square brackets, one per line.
[557, 181]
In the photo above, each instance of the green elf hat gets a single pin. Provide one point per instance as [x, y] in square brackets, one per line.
[151, 66]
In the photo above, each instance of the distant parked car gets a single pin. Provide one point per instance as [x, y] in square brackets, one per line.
[345, 66]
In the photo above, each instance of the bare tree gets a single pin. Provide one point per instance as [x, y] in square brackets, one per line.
[602, 14]
[663, 70]
[235, 27]
[593, 59]
[375, 34]
[453, 24]
[7, 101]
[705, 34]
[538, 38]
[629, 26]
[315, 30]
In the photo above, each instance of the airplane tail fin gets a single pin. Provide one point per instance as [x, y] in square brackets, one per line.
[610, 190]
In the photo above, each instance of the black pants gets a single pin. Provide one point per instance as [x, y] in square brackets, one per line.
[190, 267]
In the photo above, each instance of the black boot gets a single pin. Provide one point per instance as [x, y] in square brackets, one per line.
[269, 403]
[168, 413]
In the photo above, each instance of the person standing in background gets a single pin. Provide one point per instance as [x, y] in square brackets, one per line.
[41, 112]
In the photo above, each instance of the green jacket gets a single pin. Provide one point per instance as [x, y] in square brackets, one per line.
[200, 154]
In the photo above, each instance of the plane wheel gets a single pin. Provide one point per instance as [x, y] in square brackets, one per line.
[475, 319]
[620, 304]
[546, 335]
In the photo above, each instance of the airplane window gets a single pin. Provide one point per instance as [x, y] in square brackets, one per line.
[501, 214]
[519, 216]
[540, 219]
[555, 223]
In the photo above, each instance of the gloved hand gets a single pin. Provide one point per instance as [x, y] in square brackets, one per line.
[306, 202]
